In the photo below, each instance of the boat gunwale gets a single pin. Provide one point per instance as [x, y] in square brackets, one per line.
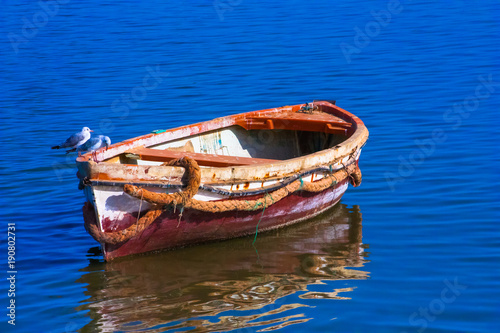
[280, 169]
[209, 187]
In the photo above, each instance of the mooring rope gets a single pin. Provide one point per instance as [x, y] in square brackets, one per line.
[162, 201]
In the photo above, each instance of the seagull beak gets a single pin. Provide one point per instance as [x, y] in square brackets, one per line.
[90, 130]
[107, 146]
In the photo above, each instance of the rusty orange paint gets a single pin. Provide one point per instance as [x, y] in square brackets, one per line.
[319, 122]
[105, 176]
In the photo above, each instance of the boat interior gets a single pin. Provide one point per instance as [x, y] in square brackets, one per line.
[252, 140]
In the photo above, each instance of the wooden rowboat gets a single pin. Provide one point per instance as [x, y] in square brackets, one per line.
[229, 177]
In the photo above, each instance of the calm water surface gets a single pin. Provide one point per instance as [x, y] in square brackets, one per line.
[416, 248]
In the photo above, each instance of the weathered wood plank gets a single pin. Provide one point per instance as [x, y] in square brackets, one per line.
[212, 160]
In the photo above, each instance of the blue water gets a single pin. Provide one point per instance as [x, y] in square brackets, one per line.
[425, 79]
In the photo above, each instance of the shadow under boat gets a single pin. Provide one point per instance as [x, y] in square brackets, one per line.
[189, 288]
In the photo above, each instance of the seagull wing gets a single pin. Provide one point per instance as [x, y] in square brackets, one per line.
[73, 140]
[89, 144]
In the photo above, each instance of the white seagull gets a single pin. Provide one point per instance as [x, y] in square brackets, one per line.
[94, 144]
[76, 140]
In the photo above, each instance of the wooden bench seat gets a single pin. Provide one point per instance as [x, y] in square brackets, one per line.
[317, 122]
[148, 154]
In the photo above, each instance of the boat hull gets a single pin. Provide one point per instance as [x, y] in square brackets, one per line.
[173, 230]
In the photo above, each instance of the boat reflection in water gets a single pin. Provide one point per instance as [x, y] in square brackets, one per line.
[227, 285]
